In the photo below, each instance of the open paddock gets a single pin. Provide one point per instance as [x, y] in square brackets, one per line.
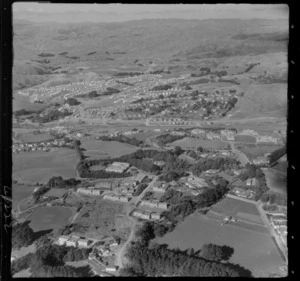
[32, 137]
[276, 181]
[40, 166]
[252, 249]
[244, 139]
[238, 209]
[45, 218]
[99, 217]
[254, 150]
[193, 143]
[111, 148]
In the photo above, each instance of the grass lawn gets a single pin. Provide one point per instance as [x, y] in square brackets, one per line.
[40, 166]
[253, 250]
[20, 192]
[187, 143]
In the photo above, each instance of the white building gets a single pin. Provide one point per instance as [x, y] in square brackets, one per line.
[63, 239]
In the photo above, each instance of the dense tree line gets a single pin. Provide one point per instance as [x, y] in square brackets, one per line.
[22, 235]
[161, 261]
[49, 261]
[131, 74]
[274, 198]
[162, 87]
[277, 154]
[21, 263]
[123, 139]
[110, 91]
[216, 253]
[41, 191]
[72, 101]
[59, 182]
[182, 206]
[140, 188]
[162, 140]
[21, 112]
[214, 164]
[84, 172]
[252, 171]
[51, 115]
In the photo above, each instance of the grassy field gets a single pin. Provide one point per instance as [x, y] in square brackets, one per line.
[276, 181]
[44, 218]
[254, 150]
[40, 166]
[20, 192]
[253, 250]
[245, 139]
[31, 137]
[238, 209]
[103, 149]
[102, 218]
[187, 143]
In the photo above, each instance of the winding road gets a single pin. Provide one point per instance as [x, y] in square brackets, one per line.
[120, 255]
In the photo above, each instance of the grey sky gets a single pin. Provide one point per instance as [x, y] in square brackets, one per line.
[42, 12]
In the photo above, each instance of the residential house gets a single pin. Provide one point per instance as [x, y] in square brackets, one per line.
[251, 182]
[155, 216]
[83, 242]
[72, 241]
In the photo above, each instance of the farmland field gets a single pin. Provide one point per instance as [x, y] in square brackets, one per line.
[40, 166]
[44, 218]
[106, 149]
[253, 250]
[245, 139]
[187, 143]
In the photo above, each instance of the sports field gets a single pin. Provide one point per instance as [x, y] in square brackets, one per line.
[188, 143]
[106, 149]
[44, 218]
[254, 250]
[40, 166]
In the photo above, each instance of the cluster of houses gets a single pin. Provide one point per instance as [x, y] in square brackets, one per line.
[117, 167]
[90, 190]
[194, 182]
[160, 186]
[116, 197]
[243, 190]
[279, 223]
[39, 146]
[71, 89]
[74, 241]
[146, 215]
[154, 204]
